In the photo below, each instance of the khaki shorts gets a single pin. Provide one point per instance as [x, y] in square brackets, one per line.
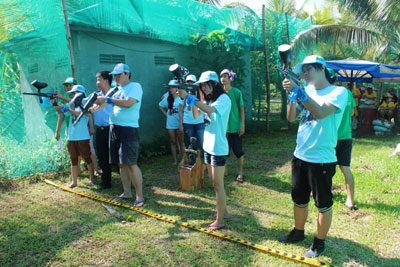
[79, 148]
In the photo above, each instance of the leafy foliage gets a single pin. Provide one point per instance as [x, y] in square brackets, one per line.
[217, 51]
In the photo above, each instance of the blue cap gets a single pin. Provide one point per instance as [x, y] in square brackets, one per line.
[309, 60]
[77, 88]
[120, 68]
[173, 83]
[208, 76]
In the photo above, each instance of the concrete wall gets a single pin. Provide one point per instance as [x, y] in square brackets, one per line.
[139, 53]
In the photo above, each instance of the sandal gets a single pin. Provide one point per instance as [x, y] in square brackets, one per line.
[90, 184]
[121, 198]
[351, 207]
[239, 180]
[214, 216]
[214, 226]
[139, 203]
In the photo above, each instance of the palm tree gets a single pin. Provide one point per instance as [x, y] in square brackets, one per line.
[370, 26]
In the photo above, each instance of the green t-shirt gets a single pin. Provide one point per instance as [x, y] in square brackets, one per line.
[344, 131]
[234, 122]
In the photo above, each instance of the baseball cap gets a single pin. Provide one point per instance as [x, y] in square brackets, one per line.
[191, 77]
[173, 83]
[120, 68]
[208, 76]
[77, 88]
[70, 80]
[309, 60]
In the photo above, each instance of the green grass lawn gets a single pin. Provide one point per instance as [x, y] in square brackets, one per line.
[41, 225]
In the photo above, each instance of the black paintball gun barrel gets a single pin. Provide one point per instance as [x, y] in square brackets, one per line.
[90, 102]
[39, 86]
[286, 56]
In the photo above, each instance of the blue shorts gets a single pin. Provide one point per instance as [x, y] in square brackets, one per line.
[214, 160]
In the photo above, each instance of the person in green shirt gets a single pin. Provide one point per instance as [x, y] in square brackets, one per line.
[236, 126]
[344, 147]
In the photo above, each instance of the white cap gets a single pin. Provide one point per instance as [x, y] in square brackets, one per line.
[191, 77]
[208, 76]
[77, 88]
[309, 60]
[173, 83]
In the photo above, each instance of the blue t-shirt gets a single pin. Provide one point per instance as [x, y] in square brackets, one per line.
[102, 117]
[317, 139]
[127, 116]
[172, 114]
[80, 131]
[215, 142]
[188, 115]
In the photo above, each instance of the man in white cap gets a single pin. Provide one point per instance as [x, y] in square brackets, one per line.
[124, 131]
[314, 160]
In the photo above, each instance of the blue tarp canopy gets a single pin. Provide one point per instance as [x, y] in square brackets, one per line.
[356, 70]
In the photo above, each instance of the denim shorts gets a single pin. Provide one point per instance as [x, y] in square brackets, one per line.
[214, 160]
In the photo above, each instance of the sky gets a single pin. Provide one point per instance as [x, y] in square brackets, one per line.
[256, 4]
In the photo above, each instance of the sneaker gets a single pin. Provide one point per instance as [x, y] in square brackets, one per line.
[316, 248]
[293, 237]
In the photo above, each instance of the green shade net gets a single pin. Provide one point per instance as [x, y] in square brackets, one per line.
[33, 43]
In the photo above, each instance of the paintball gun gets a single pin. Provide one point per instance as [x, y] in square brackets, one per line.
[180, 73]
[40, 85]
[285, 54]
[90, 101]
[76, 101]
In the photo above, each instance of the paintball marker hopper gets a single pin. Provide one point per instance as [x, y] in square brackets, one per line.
[39, 86]
[286, 56]
[179, 71]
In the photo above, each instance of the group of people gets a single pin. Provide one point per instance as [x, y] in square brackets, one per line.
[181, 122]
[215, 115]
[387, 107]
[115, 122]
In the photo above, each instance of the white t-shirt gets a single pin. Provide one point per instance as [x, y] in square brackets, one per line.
[172, 114]
[317, 139]
[127, 116]
[188, 115]
[215, 142]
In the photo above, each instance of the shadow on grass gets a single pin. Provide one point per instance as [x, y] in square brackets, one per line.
[345, 251]
[26, 241]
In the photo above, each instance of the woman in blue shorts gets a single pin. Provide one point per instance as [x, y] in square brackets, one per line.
[216, 104]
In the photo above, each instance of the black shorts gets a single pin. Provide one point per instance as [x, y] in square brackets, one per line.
[214, 160]
[124, 145]
[343, 152]
[315, 177]
[235, 143]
